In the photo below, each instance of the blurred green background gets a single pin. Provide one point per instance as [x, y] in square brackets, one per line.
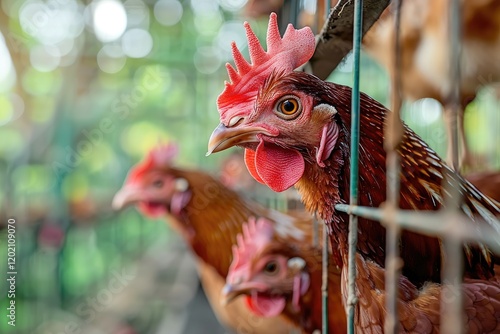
[86, 89]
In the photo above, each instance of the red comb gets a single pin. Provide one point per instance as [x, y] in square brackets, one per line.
[283, 54]
[162, 155]
[256, 234]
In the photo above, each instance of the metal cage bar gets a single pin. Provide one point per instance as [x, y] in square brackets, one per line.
[324, 286]
[393, 138]
[432, 223]
[451, 312]
[325, 253]
[353, 180]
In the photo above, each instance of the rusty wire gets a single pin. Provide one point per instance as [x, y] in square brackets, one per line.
[324, 285]
[451, 310]
[393, 137]
[325, 253]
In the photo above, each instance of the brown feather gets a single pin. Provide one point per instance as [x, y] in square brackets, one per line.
[419, 310]
[215, 214]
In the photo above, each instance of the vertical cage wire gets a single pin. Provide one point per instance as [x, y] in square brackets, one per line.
[315, 230]
[325, 253]
[324, 285]
[353, 181]
[328, 6]
[294, 11]
[451, 302]
[393, 136]
[454, 26]
[452, 321]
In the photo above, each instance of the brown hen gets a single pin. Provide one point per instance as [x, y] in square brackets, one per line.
[280, 276]
[208, 216]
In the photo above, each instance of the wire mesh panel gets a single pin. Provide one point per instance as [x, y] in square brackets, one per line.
[451, 226]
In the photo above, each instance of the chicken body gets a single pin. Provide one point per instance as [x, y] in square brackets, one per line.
[296, 130]
[419, 309]
[425, 53]
[209, 216]
[487, 182]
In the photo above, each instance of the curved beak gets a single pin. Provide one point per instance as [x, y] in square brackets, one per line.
[127, 195]
[231, 291]
[223, 137]
[228, 294]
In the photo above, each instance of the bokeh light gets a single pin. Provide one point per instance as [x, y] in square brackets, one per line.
[35, 178]
[6, 110]
[7, 74]
[11, 108]
[231, 31]
[201, 7]
[110, 20]
[425, 112]
[137, 43]
[168, 12]
[209, 24]
[310, 6]
[44, 60]
[232, 5]
[51, 23]
[40, 83]
[207, 59]
[11, 142]
[141, 136]
[137, 13]
[111, 58]
[75, 186]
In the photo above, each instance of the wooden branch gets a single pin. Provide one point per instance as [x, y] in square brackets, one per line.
[335, 40]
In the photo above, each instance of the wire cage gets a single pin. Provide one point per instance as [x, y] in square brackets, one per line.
[448, 224]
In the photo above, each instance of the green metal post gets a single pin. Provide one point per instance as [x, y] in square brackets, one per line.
[353, 184]
[324, 285]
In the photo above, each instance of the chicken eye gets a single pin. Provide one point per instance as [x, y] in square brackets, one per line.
[288, 107]
[271, 268]
[158, 183]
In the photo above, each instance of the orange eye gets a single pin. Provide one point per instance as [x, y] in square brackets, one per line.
[288, 107]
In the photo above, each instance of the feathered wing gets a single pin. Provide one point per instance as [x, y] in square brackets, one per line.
[420, 310]
[215, 214]
[422, 177]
